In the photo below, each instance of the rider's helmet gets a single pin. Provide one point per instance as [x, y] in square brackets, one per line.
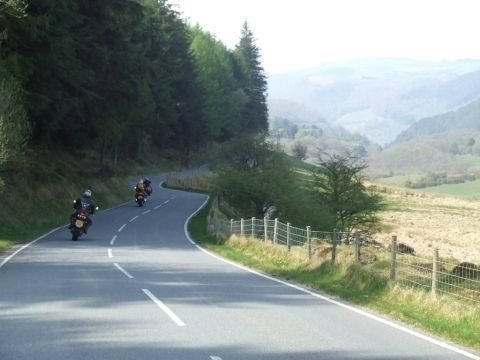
[87, 193]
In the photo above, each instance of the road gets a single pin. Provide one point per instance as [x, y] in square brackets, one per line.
[135, 287]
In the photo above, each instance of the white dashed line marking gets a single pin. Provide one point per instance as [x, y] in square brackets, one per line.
[121, 227]
[166, 201]
[133, 219]
[110, 255]
[113, 240]
[127, 274]
[158, 207]
[213, 357]
[165, 308]
[146, 212]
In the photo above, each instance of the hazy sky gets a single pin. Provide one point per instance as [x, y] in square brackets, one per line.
[304, 33]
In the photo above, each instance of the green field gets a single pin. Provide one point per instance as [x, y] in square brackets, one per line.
[470, 160]
[398, 180]
[469, 189]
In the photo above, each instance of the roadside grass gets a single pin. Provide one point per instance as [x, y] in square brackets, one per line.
[39, 195]
[366, 285]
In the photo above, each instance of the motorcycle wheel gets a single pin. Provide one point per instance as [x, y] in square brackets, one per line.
[75, 235]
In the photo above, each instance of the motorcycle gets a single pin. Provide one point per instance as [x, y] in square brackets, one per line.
[140, 198]
[79, 224]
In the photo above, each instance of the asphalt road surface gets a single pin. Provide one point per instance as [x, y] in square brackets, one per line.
[135, 287]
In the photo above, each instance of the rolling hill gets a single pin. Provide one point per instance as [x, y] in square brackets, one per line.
[464, 118]
[379, 98]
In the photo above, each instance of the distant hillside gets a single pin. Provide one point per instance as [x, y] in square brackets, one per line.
[379, 98]
[464, 118]
[454, 151]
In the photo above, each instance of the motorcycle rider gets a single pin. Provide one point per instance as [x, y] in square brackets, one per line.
[147, 184]
[140, 189]
[85, 203]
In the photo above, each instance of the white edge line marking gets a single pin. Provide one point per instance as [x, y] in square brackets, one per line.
[348, 307]
[122, 227]
[110, 255]
[133, 219]
[212, 357]
[164, 307]
[30, 243]
[113, 240]
[127, 274]
[146, 212]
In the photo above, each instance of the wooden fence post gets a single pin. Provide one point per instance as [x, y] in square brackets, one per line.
[275, 231]
[265, 228]
[309, 243]
[436, 262]
[334, 245]
[241, 227]
[357, 247]
[393, 263]
[231, 226]
[288, 236]
[253, 227]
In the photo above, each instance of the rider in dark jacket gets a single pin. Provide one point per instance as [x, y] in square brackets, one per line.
[85, 203]
[148, 186]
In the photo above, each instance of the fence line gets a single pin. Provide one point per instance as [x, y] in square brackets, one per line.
[433, 274]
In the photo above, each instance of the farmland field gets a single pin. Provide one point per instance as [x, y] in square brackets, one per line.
[428, 220]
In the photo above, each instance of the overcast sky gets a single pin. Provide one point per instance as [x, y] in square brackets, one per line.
[304, 33]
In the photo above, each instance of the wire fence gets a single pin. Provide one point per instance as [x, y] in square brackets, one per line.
[429, 273]
[432, 274]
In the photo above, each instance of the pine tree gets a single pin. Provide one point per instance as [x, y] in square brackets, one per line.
[253, 81]
[224, 99]
[14, 127]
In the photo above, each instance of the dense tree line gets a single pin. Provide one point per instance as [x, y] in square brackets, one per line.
[123, 77]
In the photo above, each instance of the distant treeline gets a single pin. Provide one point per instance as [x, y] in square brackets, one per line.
[439, 179]
[121, 77]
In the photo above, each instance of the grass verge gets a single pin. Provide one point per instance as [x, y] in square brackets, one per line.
[365, 285]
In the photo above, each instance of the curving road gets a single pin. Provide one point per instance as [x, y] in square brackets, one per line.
[136, 288]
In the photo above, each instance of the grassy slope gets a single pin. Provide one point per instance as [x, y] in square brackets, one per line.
[364, 285]
[38, 195]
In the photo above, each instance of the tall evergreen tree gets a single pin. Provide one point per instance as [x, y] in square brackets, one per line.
[41, 52]
[253, 80]
[14, 127]
[122, 76]
[224, 99]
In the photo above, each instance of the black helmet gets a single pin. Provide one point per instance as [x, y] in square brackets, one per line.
[87, 193]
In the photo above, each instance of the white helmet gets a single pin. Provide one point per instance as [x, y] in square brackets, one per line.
[87, 193]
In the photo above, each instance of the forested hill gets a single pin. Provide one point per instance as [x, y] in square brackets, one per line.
[121, 77]
[464, 118]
